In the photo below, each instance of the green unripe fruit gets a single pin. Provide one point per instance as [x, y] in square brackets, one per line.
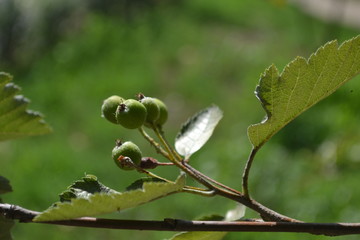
[122, 152]
[152, 108]
[131, 114]
[163, 116]
[109, 106]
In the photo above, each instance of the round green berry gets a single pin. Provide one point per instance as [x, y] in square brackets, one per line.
[131, 114]
[109, 106]
[152, 108]
[163, 116]
[122, 152]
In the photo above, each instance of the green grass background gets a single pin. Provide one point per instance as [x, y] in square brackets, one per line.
[190, 56]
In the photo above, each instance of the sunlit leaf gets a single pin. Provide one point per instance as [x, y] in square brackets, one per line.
[302, 84]
[91, 198]
[197, 130]
[15, 120]
[231, 215]
[236, 213]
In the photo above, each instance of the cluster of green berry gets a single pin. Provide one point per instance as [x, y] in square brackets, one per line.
[132, 114]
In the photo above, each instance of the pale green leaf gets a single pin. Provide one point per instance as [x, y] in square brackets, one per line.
[92, 198]
[197, 131]
[15, 120]
[302, 84]
[236, 213]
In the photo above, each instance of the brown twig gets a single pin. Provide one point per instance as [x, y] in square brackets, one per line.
[328, 229]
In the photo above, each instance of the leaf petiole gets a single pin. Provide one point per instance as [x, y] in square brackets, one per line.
[245, 178]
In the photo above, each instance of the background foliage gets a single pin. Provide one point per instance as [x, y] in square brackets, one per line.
[69, 56]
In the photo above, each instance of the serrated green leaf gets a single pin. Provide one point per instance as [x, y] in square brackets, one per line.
[15, 120]
[302, 84]
[197, 130]
[85, 188]
[5, 186]
[87, 204]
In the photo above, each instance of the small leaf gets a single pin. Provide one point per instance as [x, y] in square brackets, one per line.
[197, 130]
[236, 213]
[5, 186]
[302, 84]
[15, 120]
[93, 198]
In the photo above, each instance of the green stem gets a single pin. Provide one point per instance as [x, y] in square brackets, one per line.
[205, 193]
[150, 174]
[156, 145]
[174, 159]
[210, 179]
[198, 173]
[245, 178]
[161, 133]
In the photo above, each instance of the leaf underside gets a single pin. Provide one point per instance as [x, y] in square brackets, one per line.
[15, 120]
[88, 197]
[302, 84]
[197, 131]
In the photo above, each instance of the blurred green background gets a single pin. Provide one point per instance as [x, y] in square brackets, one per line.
[70, 55]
